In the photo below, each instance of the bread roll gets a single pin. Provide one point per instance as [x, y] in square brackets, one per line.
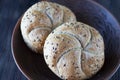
[40, 19]
[74, 51]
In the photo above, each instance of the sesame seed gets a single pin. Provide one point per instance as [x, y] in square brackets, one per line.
[73, 63]
[52, 65]
[57, 37]
[46, 56]
[47, 42]
[64, 65]
[52, 32]
[30, 20]
[39, 40]
[51, 43]
[55, 48]
[84, 35]
[76, 67]
[54, 57]
[68, 41]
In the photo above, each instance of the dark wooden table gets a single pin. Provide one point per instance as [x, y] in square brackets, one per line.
[10, 11]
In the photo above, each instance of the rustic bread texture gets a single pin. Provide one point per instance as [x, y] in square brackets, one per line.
[74, 51]
[40, 19]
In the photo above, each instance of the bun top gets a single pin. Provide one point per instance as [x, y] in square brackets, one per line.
[74, 51]
[40, 19]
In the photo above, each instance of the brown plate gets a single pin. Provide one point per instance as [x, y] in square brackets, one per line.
[33, 65]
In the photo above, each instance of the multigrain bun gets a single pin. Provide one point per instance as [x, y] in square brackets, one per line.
[40, 19]
[74, 51]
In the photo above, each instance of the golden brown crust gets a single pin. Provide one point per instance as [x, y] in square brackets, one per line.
[74, 51]
[39, 20]
[78, 30]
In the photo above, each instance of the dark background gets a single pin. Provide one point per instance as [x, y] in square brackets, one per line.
[10, 11]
